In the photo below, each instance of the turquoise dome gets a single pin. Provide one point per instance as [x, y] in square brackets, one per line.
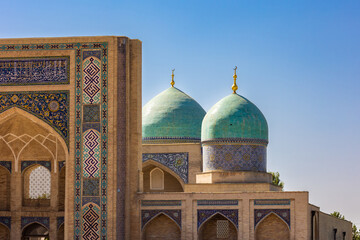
[172, 115]
[234, 117]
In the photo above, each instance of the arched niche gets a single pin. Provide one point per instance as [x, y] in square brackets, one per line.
[161, 227]
[35, 231]
[4, 189]
[156, 179]
[36, 186]
[4, 232]
[272, 227]
[172, 182]
[218, 227]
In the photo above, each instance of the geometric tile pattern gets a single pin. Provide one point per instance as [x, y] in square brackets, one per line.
[81, 50]
[25, 71]
[50, 106]
[272, 202]
[25, 164]
[260, 214]
[177, 162]
[6, 164]
[91, 113]
[151, 203]
[6, 221]
[45, 221]
[91, 80]
[86, 200]
[217, 202]
[91, 154]
[205, 214]
[91, 187]
[91, 222]
[60, 220]
[39, 183]
[234, 158]
[148, 215]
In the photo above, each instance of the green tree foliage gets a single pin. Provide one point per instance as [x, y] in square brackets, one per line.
[355, 230]
[276, 179]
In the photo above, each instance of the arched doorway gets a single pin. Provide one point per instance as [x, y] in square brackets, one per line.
[272, 227]
[35, 231]
[4, 233]
[161, 228]
[4, 189]
[218, 227]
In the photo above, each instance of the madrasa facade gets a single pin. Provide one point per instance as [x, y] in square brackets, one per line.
[80, 158]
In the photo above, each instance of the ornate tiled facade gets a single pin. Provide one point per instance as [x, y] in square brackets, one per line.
[147, 215]
[51, 107]
[260, 214]
[205, 214]
[25, 71]
[234, 158]
[177, 162]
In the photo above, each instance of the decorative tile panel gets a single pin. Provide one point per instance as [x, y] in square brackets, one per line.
[26, 71]
[91, 187]
[91, 154]
[6, 221]
[217, 202]
[148, 203]
[177, 162]
[91, 80]
[205, 214]
[234, 158]
[148, 215]
[91, 113]
[25, 164]
[272, 202]
[41, 220]
[91, 222]
[60, 221]
[86, 200]
[6, 164]
[51, 107]
[259, 214]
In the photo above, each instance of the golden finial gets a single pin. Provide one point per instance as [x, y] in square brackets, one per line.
[172, 78]
[234, 86]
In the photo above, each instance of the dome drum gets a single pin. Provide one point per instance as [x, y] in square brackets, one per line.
[234, 158]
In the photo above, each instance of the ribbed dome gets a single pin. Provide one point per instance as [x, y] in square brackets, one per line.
[172, 115]
[234, 117]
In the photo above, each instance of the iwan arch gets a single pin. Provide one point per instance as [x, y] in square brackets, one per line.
[81, 159]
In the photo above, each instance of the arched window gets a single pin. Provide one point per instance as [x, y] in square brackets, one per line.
[157, 179]
[36, 186]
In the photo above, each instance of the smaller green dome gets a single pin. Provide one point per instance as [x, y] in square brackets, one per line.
[172, 114]
[234, 117]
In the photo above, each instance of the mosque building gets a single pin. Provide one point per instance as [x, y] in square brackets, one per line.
[81, 159]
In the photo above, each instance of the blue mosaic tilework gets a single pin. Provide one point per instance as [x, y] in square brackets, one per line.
[236, 140]
[51, 107]
[151, 203]
[205, 214]
[45, 221]
[91, 154]
[26, 71]
[217, 202]
[161, 140]
[91, 113]
[60, 221]
[272, 202]
[234, 158]
[91, 187]
[82, 50]
[25, 164]
[148, 215]
[91, 80]
[6, 164]
[91, 222]
[87, 126]
[178, 162]
[86, 200]
[61, 165]
[259, 214]
[6, 221]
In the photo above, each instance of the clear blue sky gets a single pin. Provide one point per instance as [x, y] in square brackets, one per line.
[298, 61]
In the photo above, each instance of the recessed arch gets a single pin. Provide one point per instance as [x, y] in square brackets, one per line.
[156, 179]
[272, 227]
[161, 227]
[34, 231]
[4, 232]
[217, 226]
